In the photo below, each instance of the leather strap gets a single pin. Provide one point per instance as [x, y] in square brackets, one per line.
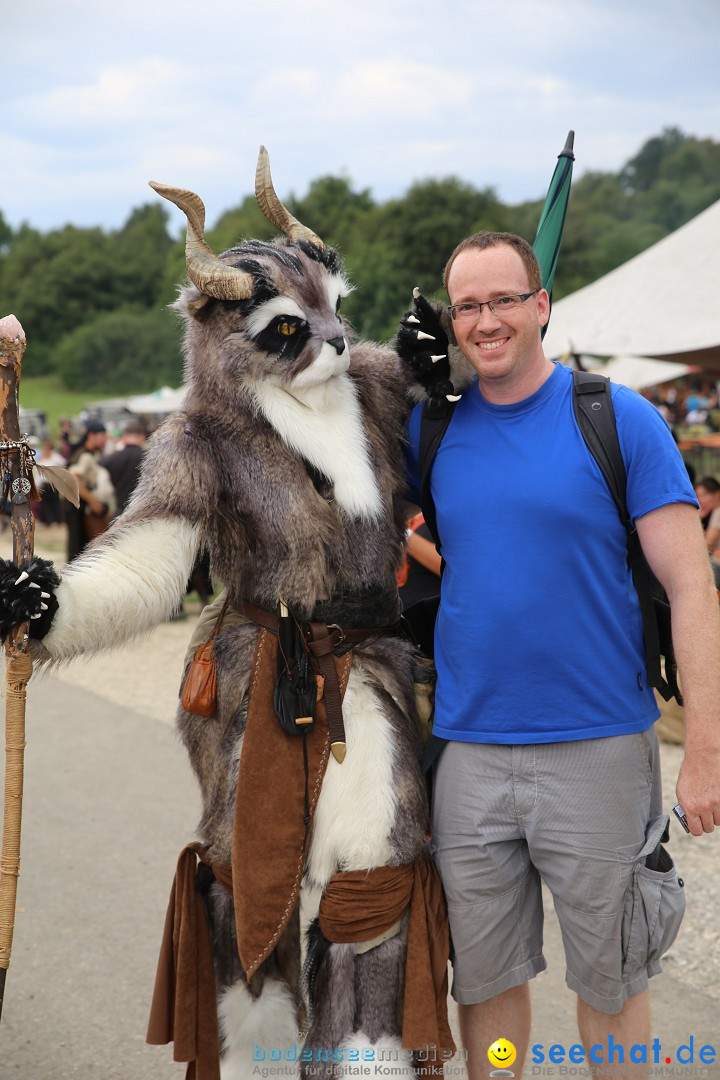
[321, 645]
[324, 643]
[341, 634]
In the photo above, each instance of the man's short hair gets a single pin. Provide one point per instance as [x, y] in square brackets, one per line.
[134, 427]
[95, 427]
[484, 240]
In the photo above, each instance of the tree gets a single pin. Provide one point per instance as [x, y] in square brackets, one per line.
[127, 351]
[407, 242]
[642, 171]
[333, 210]
[139, 252]
[6, 235]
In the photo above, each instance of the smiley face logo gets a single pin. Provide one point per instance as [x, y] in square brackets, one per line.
[502, 1053]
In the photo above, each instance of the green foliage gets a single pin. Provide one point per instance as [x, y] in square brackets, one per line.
[94, 304]
[6, 234]
[245, 222]
[127, 351]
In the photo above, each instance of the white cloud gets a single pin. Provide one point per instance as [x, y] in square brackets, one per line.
[98, 100]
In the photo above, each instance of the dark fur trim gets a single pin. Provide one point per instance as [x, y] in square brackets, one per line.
[19, 603]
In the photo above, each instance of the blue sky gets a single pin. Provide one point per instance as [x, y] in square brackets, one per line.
[97, 99]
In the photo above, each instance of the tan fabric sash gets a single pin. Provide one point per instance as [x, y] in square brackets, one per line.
[269, 836]
[358, 905]
[184, 1009]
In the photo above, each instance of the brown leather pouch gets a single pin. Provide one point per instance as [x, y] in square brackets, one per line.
[199, 692]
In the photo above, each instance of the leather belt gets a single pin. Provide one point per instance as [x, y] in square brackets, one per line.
[324, 641]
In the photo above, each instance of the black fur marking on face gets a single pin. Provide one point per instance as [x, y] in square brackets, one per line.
[285, 336]
[259, 249]
[326, 256]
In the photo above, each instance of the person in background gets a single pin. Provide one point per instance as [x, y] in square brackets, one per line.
[97, 496]
[419, 575]
[48, 510]
[419, 583]
[124, 463]
[708, 495]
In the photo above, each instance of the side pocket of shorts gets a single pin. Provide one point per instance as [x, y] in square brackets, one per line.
[654, 905]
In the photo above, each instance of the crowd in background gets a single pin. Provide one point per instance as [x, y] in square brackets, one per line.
[690, 402]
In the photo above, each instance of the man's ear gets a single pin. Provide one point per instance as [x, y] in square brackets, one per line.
[543, 307]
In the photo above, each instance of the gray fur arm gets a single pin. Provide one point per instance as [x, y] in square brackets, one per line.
[123, 587]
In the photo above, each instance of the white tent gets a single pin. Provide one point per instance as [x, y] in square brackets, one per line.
[663, 303]
[638, 372]
[159, 403]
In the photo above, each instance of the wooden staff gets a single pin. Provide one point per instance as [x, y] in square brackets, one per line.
[17, 469]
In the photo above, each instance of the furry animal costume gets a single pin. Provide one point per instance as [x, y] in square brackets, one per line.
[286, 465]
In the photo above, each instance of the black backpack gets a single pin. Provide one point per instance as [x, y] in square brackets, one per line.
[592, 402]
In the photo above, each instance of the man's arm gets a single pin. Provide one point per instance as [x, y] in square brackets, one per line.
[673, 542]
[424, 552]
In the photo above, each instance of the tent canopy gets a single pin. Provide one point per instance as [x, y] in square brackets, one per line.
[662, 303]
[639, 372]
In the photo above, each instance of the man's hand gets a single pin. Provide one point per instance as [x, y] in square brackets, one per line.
[422, 344]
[698, 791]
[27, 596]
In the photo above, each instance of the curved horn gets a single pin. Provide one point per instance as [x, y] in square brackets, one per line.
[209, 273]
[274, 210]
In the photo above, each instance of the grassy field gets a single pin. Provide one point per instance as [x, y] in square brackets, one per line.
[45, 392]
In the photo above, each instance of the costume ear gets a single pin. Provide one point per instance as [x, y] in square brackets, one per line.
[194, 307]
[191, 301]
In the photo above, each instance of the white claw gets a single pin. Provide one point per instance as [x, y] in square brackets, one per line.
[22, 577]
[416, 293]
[422, 336]
[43, 607]
[453, 397]
[436, 358]
[411, 318]
[44, 595]
[33, 585]
[36, 616]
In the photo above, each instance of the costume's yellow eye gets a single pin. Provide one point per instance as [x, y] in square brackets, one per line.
[287, 329]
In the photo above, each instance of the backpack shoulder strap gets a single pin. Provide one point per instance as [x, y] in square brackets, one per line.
[436, 417]
[592, 403]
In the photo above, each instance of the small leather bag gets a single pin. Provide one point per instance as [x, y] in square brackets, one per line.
[199, 692]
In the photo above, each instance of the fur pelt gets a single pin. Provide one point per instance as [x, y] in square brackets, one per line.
[286, 464]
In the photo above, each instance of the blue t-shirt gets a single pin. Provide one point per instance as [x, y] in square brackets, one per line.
[539, 632]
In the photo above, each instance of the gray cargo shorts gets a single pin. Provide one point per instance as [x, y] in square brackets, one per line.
[580, 817]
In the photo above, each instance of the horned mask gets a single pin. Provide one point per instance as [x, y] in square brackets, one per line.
[208, 273]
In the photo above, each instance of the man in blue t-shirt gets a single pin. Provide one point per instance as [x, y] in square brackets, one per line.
[551, 768]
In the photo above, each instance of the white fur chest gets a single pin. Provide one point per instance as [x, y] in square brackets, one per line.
[324, 425]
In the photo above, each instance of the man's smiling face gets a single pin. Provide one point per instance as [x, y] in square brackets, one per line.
[500, 346]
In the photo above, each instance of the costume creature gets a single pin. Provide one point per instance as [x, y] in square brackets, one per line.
[285, 464]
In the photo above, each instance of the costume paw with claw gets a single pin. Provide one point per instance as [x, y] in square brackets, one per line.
[422, 344]
[27, 596]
